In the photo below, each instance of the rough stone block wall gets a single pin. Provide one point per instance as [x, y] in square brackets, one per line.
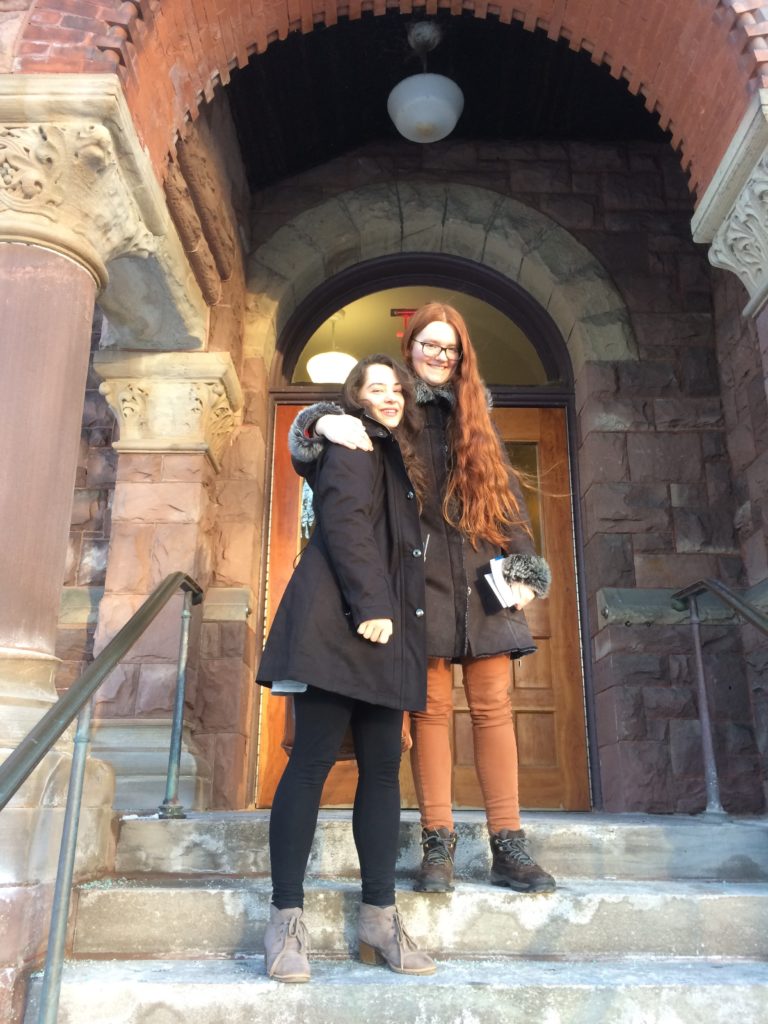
[742, 347]
[91, 520]
[224, 706]
[94, 484]
[657, 498]
[648, 726]
[745, 409]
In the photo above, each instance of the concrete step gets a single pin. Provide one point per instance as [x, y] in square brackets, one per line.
[499, 991]
[587, 845]
[585, 917]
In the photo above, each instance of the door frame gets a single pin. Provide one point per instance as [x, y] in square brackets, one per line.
[446, 271]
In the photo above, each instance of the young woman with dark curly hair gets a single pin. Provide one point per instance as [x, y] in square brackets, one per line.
[348, 641]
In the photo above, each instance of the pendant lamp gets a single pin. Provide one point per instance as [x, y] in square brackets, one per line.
[425, 107]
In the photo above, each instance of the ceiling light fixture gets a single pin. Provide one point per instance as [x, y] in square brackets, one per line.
[331, 367]
[425, 107]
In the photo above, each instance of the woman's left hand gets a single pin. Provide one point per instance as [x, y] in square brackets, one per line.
[523, 594]
[378, 631]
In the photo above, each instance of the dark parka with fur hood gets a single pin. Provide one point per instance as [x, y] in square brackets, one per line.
[362, 562]
[463, 618]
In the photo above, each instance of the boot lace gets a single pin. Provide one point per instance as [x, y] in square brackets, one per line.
[296, 934]
[403, 939]
[514, 848]
[436, 850]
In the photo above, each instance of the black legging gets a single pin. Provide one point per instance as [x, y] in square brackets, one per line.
[321, 721]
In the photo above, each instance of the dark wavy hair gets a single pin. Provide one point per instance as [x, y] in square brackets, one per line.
[478, 500]
[410, 425]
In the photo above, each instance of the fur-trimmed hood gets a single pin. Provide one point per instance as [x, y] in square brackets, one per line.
[431, 393]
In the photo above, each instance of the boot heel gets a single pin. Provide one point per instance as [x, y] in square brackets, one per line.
[369, 955]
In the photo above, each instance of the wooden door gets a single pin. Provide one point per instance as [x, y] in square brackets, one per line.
[547, 689]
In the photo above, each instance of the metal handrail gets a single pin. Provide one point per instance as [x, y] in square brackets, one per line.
[19, 765]
[40, 740]
[687, 598]
[681, 599]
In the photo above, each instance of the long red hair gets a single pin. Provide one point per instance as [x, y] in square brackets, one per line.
[478, 500]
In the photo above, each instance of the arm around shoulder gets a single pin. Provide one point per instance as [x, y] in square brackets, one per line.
[303, 444]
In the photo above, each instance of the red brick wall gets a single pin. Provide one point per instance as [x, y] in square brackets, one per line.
[693, 61]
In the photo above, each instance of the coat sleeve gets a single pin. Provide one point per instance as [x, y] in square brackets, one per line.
[302, 443]
[345, 486]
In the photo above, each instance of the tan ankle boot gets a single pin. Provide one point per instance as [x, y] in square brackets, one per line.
[286, 945]
[383, 939]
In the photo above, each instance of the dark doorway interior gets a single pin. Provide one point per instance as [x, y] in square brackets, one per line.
[310, 98]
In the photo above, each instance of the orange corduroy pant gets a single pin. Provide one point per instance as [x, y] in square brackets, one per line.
[486, 684]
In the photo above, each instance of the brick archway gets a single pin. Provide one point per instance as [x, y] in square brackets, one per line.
[459, 220]
[694, 63]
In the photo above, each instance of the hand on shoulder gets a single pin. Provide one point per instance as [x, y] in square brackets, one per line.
[344, 430]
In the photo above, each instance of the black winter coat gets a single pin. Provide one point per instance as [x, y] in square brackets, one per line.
[363, 561]
[463, 617]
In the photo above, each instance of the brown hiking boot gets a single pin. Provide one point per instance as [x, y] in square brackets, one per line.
[436, 871]
[514, 866]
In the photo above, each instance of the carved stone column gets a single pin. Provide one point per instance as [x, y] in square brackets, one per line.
[176, 414]
[80, 213]
[75, 179]
[46, 304]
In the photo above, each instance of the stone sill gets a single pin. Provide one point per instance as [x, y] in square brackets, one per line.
[630, 606]
[80, 605]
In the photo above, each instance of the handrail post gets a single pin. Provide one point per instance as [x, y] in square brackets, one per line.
[171, 807]
[714, 807]
[54, 956]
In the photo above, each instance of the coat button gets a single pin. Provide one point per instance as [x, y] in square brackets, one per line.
[410, 495]
[416, 552]
[419, 613]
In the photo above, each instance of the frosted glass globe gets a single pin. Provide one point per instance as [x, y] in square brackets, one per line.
[425, 108]
[330, 367]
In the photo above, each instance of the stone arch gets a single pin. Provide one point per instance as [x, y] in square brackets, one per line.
[483, 226]
[170, 62]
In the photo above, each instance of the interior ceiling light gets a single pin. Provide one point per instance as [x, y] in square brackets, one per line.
[331, 367]
[425, 107]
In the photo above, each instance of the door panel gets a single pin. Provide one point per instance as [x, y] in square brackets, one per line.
[546, 687]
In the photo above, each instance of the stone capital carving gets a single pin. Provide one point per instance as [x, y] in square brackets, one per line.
[741, 242]
[172, 402]
[74, 178]
[60, 184]
[732, 214]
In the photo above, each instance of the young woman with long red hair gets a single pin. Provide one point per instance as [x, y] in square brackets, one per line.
[473, 511]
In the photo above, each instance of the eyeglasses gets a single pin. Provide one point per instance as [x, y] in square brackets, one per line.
[432, 350]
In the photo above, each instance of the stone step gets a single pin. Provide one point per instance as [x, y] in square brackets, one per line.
[499, 991]
[587, 845]
[218, 917]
